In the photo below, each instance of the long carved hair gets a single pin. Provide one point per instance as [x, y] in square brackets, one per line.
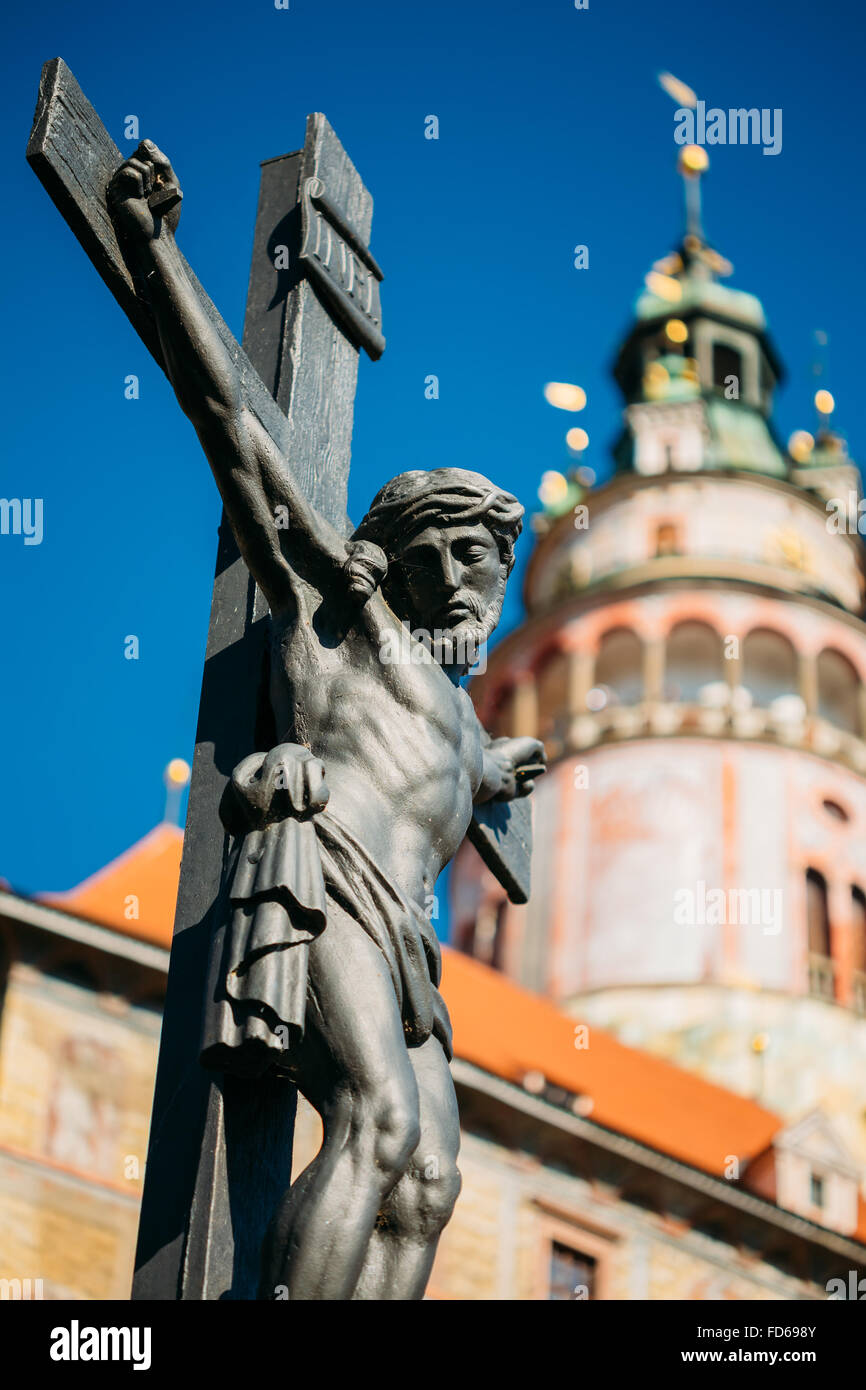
[415, 500]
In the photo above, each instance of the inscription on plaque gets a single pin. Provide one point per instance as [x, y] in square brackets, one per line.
[341, 268]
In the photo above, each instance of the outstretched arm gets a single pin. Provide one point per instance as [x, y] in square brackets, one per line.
[252, 477]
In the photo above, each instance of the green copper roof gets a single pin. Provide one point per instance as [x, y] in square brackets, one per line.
[741, 438]
[703, 294]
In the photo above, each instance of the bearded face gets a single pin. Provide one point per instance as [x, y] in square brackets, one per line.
[449, 581]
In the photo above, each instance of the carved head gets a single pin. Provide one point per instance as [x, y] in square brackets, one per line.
[448, 536]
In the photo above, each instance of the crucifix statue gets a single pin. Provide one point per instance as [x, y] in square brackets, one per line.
[339, 760]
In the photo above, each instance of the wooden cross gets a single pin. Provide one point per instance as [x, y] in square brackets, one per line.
[219, 1156]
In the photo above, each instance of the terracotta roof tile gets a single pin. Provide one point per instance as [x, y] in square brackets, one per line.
[505, 1030]
[497, 1026]
[149, 871]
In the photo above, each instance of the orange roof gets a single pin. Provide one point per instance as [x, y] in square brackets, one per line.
[148, 872]
[497, 1026]
[505, 1030]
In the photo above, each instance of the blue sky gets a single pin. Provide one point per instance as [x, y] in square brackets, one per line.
[553, 132]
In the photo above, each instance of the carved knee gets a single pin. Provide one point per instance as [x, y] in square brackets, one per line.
[428, 1195]
[397, 1132]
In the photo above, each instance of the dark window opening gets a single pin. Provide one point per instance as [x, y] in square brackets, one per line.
[727, 362]
[572, 1274]
[551, 686]
[667, 539]
[464, 937]
[818, 913]
[858, 914]
[838, 691]
[74, 972]
[822, 968]
[816, 1190]
[769, 666]
[484, 938]
[5, 967]
[497, 946]
[693, 659]
[619, 669]
[501, 720]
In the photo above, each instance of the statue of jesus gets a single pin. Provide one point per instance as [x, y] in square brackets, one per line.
[332, 966]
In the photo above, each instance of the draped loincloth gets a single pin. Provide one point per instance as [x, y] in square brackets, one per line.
[284, 879]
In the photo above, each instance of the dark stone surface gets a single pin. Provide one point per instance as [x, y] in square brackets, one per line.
[220, 1148]
[238, 1145]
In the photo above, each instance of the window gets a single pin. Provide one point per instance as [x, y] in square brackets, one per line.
[726, 362]
[464, 936]
[5, 965]
[822, 969]
[552, 693]
[572, 1274]
[667, 539]
[488, 934]
[619, 667]
[769, 666]
[858, 922]
[693, 660]
[502, 718]
[816, 1190]
[838, 691]
[818, 913]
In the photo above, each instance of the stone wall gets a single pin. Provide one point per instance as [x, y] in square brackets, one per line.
[76, 1084]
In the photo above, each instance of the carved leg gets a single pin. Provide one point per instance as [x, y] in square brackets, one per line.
[355, 1070]
[407, 1233]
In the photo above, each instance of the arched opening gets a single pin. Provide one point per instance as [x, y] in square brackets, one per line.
[693, 659]
[769, 666]
[619, 667]
[667, 537]
[818, 913]
[484, 936]
[727, 362]
[821, 972]
[5, 969]
[502, 714]
[838, 691]
[858, 913]
[858, 947]
[551, 686]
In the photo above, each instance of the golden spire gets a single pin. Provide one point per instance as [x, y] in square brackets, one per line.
[692, 163]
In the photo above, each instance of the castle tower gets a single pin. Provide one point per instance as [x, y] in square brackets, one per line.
[694, 658]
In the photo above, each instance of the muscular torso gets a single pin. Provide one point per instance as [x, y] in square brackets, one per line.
[400, 742]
